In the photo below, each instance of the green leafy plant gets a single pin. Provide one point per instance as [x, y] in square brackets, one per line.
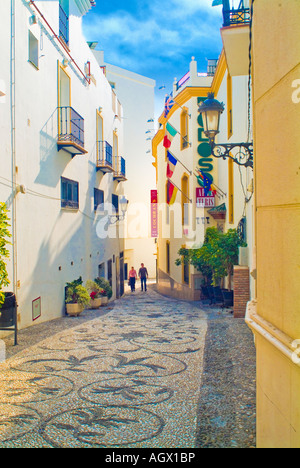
[77, 282]
[216, 258]
[105, 286]
[4, 253]
[94, 289]
[77, 294]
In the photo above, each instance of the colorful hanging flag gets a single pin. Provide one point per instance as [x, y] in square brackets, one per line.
[172, 161]
[172, 193]
[169, 103]
[207, 184]
[213, 187]
[171, 132]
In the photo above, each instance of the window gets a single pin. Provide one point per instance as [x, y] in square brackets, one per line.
[98, 198]
[64, 20]
[168, 257]
[185, 200]
[33, 45]
[115, 203]
[229, 106]
[184, 128]
[109, 272]
[101, 270]
[69, 193]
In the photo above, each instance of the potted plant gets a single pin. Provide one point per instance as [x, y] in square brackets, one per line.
[95, 294]
[106, 289]
[104, 297]
[7, 299]
[215, 260]
[77, 298]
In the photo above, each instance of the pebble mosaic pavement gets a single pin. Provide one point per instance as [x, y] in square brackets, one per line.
[136, 374]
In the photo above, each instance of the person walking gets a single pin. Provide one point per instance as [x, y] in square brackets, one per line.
[143, 274]
[132, 279]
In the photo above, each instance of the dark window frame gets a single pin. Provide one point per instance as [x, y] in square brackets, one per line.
[115, 203]
[33, 50]
[98, 198]
[69, 193]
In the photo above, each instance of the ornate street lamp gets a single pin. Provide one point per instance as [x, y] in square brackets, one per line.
[123, 203]
[240, 153]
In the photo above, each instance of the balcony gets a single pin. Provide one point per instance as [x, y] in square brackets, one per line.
[70, 131]
[235, 37]
[104, 157]
[236, 17]
[120, 169]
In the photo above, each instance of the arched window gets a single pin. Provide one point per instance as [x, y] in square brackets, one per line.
[184, 128]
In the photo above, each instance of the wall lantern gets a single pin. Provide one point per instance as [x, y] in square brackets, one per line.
[123, 204]
[240, 153]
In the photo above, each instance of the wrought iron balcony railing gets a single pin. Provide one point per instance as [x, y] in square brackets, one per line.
[120, 169]
[236, 17]
[70, 130]
[104, 156]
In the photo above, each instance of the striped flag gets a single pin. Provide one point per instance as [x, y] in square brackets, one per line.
[169, 103]
[172, 161]
[171, 132]
[172, 193]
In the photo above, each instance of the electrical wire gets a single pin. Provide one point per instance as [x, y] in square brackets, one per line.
[40, 195]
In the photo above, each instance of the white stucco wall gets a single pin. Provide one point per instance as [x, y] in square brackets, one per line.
[53, 245]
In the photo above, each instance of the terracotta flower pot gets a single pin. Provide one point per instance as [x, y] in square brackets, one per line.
[104, 300]
[74, 310]
[96, 303]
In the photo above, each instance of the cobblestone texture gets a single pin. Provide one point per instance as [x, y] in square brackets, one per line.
[147, 371]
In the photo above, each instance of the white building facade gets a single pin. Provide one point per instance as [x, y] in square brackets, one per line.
[61, 156]
[136, 93]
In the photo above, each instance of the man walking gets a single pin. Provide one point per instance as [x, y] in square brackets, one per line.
[143, 274]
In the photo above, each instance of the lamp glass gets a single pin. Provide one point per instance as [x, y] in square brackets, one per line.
[124, 204]
[211, 122]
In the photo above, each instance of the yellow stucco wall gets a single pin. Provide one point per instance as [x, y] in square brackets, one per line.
[276, 52]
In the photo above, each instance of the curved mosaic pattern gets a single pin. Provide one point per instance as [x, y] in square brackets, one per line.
[101, 427]
[15, 421]
[129, 378]
[124, 392]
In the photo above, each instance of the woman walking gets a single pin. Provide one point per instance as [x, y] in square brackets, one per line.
[132, 279]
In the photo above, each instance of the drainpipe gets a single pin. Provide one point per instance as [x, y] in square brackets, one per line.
[13, 140]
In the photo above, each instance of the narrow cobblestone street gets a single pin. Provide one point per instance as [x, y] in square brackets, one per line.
[146, 372]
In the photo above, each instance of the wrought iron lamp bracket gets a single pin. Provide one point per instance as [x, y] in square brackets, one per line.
[243, 156]
[113, 219]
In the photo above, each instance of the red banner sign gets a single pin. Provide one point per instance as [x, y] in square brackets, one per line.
[205, 201]
[154, 214]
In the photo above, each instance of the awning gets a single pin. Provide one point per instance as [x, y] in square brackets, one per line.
[218, 212]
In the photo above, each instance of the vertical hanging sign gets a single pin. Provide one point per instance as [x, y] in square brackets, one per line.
[154, 214]
[204, 151]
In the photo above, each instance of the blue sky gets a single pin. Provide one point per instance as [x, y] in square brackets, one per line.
[156, 38]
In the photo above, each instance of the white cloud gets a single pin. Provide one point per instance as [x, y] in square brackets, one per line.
[156, 35]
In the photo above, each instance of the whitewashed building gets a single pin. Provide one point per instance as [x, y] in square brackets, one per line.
[61, 156]
[136, 93]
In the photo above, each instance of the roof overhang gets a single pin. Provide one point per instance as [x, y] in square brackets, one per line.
[85, 5]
